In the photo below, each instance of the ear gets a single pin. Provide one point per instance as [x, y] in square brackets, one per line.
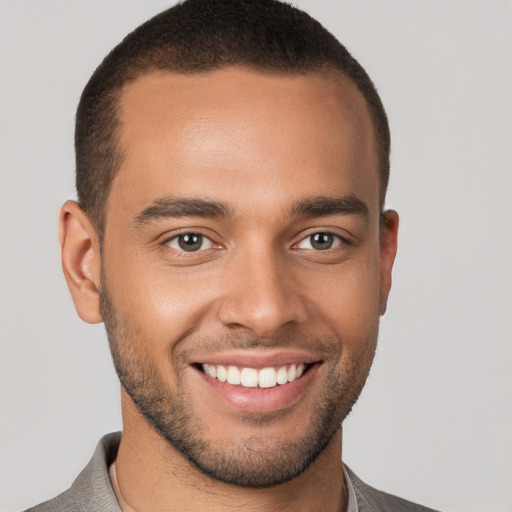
[388, 246]
[81, 260]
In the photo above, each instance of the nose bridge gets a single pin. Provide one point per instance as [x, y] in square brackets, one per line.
[262, 296]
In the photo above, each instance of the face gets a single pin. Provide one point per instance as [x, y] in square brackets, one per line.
[243, 272]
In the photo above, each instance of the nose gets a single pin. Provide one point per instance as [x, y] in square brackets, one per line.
[263, 295]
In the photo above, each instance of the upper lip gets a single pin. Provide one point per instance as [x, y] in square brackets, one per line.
[258, 358]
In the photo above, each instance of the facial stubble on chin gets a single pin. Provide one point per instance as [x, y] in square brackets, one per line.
[254, 461]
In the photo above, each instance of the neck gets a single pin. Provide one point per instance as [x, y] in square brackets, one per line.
[152, 475]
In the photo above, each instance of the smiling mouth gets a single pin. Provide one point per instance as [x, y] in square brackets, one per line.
[255, 378]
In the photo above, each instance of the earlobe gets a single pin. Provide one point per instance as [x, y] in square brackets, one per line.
[81, 260]
[388, 247]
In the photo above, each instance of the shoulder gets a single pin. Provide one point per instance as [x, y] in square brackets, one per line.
[373, 500]
[91, 491]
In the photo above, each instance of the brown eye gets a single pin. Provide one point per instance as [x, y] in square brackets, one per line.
[322, 241]
[190, 242]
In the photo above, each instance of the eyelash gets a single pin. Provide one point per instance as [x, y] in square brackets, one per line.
[337, 240]
[174, 242]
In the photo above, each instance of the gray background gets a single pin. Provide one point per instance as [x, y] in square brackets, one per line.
[435, 421]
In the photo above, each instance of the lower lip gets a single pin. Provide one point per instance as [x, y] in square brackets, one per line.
[259, 400]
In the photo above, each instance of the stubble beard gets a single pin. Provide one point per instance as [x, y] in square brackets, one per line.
[252, 462]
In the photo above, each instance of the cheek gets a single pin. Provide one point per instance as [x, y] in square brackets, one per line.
[348, 296]
[156, 301]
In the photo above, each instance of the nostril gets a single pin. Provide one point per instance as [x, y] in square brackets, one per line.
[262, 305]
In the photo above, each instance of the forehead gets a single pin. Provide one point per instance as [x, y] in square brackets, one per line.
[190, 134]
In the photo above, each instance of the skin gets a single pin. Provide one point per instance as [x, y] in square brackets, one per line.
[259, 145]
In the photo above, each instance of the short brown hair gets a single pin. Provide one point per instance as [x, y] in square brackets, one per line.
[198, 36]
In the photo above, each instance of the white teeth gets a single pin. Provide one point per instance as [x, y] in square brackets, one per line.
[233, 376]
[249, 378]
[252, 378]
[222, 374]
[282, 375]
[267, 378]
[210, 370]
[292, 373]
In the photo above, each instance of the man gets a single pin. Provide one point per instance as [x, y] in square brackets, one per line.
[232, 165]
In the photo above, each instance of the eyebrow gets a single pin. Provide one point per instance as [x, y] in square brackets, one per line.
[324, 206]
[183, 207]
[319, 206]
